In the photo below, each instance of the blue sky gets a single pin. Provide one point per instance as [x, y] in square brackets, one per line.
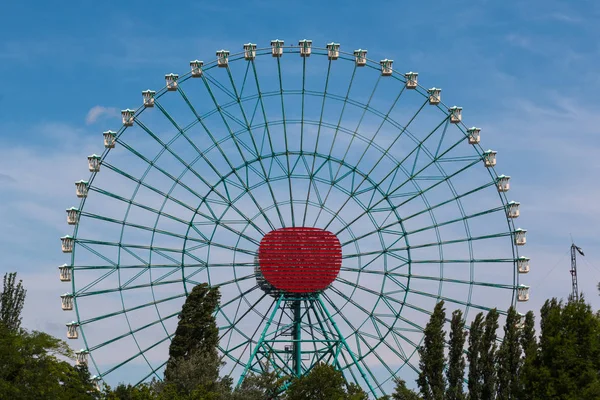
[525, 72]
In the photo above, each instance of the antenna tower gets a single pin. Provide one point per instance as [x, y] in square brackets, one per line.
[574, 288]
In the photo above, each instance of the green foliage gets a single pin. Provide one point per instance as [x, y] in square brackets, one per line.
[31, 368]
[323, 382]
[569, 352]
[475, 376]
[431, 381]
[488, 356]
[129, 392]
[259, 387]
[403, 393]
[193, 365]
[509, 359]
[528, 375]
[12, 299]
[196, 329]
[456, 360]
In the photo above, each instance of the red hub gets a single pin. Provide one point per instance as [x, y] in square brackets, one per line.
[300, 260]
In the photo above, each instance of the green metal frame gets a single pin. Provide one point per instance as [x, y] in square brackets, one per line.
[249, 173]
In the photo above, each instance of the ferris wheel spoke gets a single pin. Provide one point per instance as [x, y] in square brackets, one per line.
[318, 135]
[323, 319]
[189, 167]
[153, 371]
[432, 244]
[285, 138]
[248, 126]
[459, 302]
[140, 353]
[219, 148]
[132, 332]
[352, 137]
[357, 361]
[415, 174]
[81, 293]
[130, 309]
[375, 320]
[427, 209]
[400, 164]
[233, 323]
[385, 119]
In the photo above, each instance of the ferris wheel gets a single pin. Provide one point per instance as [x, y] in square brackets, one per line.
[333, 200]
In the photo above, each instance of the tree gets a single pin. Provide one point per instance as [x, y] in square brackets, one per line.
[193, 364]
[473, 356]
[129, 392]
[488, 356]
[259, 387]
[30, 368]
[12, 299]
[323, 382]
[403, 393]
[529, 346]
[569, 352]
[509, 359]
[431, 380]
[456, 361]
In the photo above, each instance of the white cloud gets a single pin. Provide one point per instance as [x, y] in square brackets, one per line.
[99, 112]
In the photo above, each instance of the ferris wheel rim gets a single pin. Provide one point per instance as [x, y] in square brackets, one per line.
[266, 51]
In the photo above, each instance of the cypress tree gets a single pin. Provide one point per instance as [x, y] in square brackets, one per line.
[530, 350]
[12, 299]
[456, 361]
[431, 381]
[488, 356]
[473, 356]
[193, 363]
[509, 358]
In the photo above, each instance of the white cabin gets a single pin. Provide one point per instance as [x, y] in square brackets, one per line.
[435, 95]
[72, 330]
[72, 216]
[171, 81]
[489, 158]
[520, 236]
[66, 301]
[360, 57]
[81, 188]
[110, 138]
[127, 117]
[81, 357]
[277, 47]
[64, 272]
[411, 79]
[474, 135]
[386, 67]
[523, 293]
[223, 58]
[94, 163]
[148, 98]
[196, 67]
[305, 47]
[96, 379]
[249, 51]
[455, 114]
[503, 183]
[333, 51]
[523, 265]
[67, 243]
[512, 209]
